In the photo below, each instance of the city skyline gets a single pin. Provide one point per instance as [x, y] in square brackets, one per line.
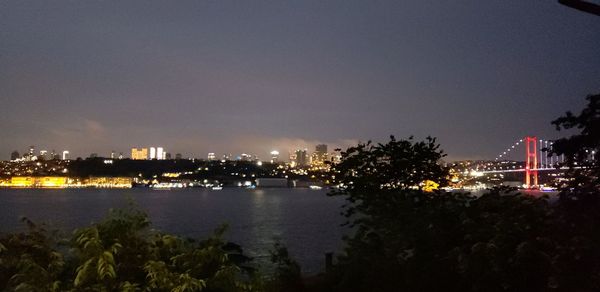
[200, 77]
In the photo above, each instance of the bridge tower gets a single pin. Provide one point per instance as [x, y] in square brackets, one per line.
[531, 172]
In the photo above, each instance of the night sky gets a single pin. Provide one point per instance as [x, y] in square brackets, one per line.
[252, 76]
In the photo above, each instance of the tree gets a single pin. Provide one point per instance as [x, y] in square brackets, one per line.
[407, 239]
[577, 211]
[581, 150]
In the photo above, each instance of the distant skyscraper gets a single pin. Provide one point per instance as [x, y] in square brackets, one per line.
[168, 156]
[120, 155]
[211, 156]
[113, 155]
[160, 153]
[321, 148]
[178, 156]
[15, 155]
[152, 152]
[65, 155]
[301, 157]
[274, 156]
[44, 154]
[319, 157]
[139, 154]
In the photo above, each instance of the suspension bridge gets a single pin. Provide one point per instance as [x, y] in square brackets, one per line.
[537, 159]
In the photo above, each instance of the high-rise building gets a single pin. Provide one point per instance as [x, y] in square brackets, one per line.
[168, 156]
[113, 155]
[120, 155]
[15, 155]
[178, 156]
[152, 153]
[321, 149]
[319, 157]
[139, 154]
[301, 157]
[65, 155]
[211, 156]
[274, 156]
[160, 153]
[44, 154]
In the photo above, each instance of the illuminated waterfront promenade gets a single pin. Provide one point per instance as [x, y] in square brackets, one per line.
[65, 182]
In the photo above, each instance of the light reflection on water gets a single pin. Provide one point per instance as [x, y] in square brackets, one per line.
[306, 221]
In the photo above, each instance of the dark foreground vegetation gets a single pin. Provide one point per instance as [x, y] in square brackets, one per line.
[405, 239]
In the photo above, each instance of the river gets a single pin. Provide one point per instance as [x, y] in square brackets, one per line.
[306, 221]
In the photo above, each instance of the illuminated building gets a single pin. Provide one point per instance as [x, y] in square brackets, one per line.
[319, 157]
[321, 148]
[160, 153]
[120, 155]
[246, 157]
[152, 153]
[38, 182]
[113, 155]
[108, 182]
[64, 182]
[139, 154]
[211, 156]
[301, 157]
[44, 154]
[65, 155]
[274, 156]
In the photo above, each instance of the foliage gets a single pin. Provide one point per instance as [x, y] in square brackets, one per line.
[122, 253]
[287, 275]
[410, 240]
[580, 199]
[581, 150]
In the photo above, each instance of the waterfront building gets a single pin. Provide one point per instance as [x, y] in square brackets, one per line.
[139, 154]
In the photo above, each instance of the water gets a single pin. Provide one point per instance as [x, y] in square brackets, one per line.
[306, 221]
